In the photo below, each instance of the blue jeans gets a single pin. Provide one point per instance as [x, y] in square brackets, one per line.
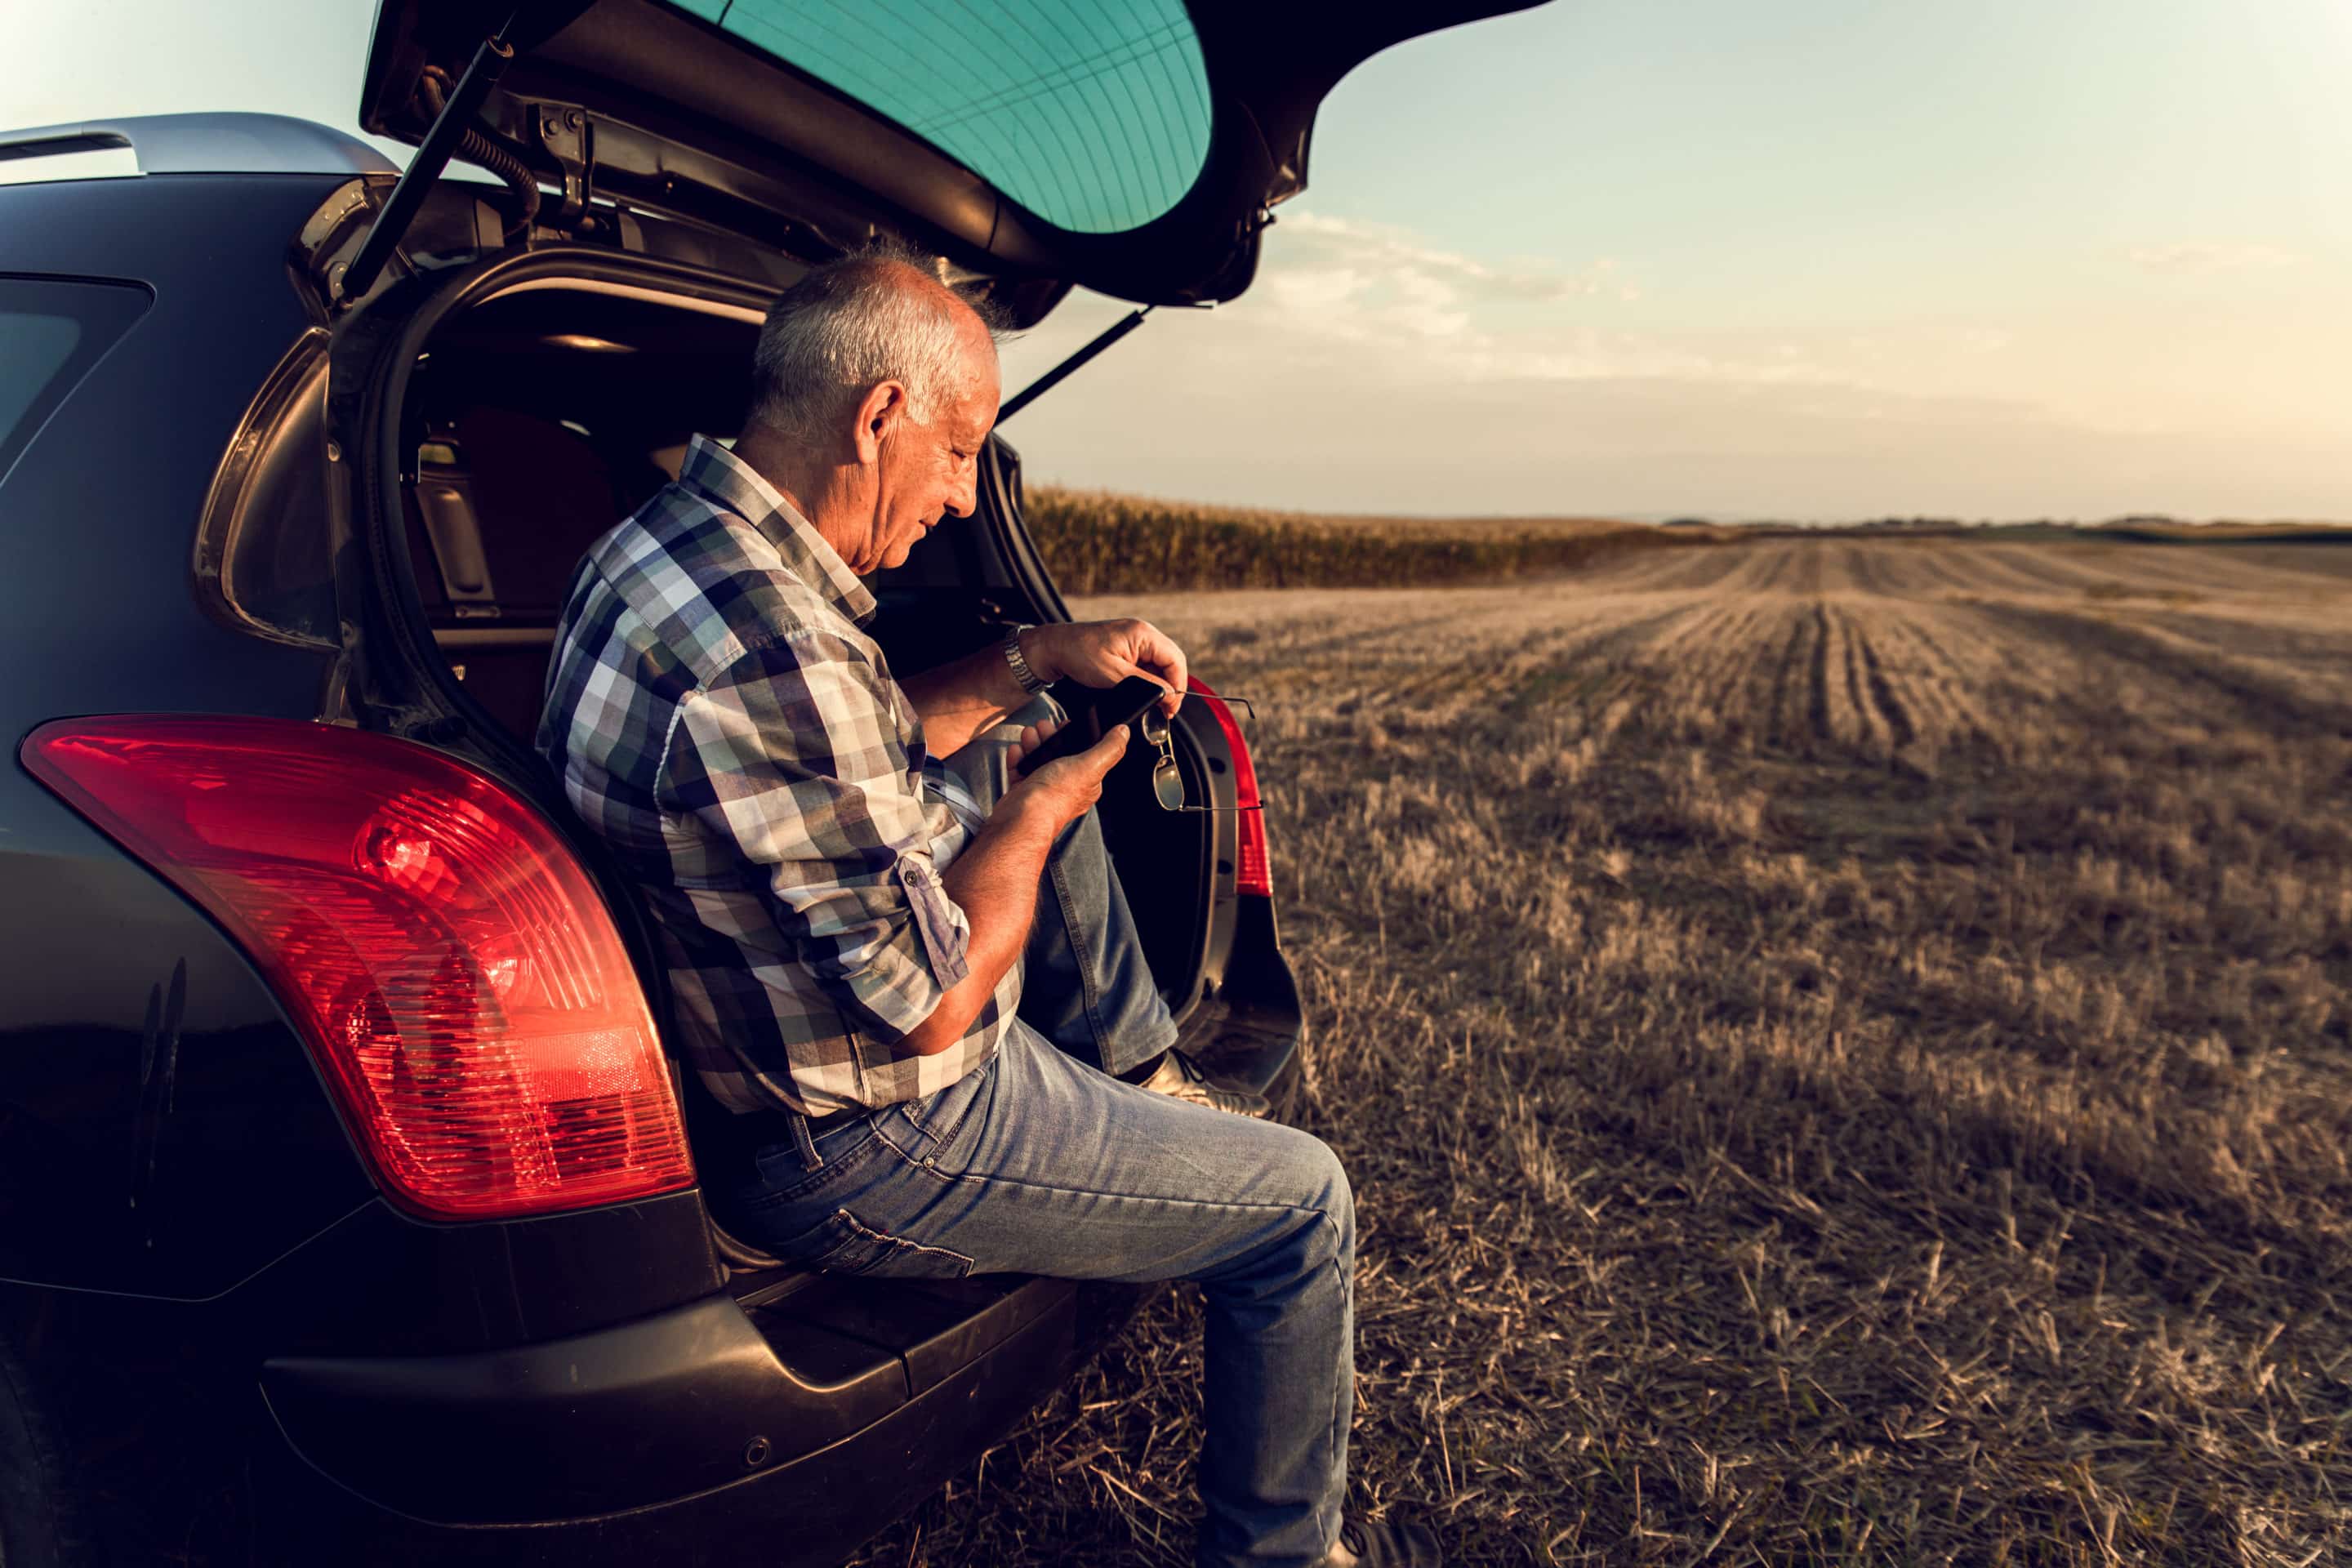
[1039, 1163]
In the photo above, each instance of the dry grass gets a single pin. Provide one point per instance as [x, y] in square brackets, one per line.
[1843, 1049]
[2208, 533]
[1099, 542]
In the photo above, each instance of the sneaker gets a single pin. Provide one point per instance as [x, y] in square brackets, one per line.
[1178, 1077]
[1368, 1543]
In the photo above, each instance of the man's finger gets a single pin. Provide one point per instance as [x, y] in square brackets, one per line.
[1033, 736]
[1158, 676]
[1104, 754]
[1157, 653]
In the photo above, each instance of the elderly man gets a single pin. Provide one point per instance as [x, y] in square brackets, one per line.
[845, 916]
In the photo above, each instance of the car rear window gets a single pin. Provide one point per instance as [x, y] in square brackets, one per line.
[51, 333]
[1094, 114]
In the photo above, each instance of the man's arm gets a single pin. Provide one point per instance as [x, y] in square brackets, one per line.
[995, 878]
[790, 754]
[961, 700]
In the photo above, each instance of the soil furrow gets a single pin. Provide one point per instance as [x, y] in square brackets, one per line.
[1817, 710]
[1891, 710]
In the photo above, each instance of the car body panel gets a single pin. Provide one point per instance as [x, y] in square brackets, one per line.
[663, 1407]
[224, 143]
[108, 618]
[140, 1044]
[793, 1513]
[152, 1098]
[182, 1138]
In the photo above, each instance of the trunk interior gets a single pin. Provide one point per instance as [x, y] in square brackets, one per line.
[536, 420]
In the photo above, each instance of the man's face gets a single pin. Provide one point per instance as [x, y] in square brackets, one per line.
[923, 473]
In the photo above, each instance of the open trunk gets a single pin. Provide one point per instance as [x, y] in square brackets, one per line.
[539, 407]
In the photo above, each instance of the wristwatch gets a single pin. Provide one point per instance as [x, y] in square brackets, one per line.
[1020, 661]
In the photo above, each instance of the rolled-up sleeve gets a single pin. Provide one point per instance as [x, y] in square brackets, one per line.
[792, 752]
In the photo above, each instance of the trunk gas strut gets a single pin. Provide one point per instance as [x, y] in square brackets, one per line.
[1054, 377]
[449, 128]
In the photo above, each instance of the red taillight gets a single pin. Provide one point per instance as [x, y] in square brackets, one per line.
[446, 959]
[1253, 873]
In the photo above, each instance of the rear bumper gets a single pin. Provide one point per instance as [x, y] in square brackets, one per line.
[708, 1433]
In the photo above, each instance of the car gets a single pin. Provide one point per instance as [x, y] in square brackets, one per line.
[347, 1199]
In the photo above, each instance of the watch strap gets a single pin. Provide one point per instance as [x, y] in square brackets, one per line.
[1019, 662]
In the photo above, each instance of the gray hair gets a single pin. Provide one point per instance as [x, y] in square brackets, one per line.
[849, 324]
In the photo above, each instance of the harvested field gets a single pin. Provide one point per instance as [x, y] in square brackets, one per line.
[1843, 1049]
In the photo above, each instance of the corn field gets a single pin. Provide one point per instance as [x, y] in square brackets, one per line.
[1096, 541]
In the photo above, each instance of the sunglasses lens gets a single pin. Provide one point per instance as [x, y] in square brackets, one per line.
[1154, 726]
[1168, 786]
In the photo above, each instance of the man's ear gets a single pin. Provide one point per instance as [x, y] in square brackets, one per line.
[878, 413]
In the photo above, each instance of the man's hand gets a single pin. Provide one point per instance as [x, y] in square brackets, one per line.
[1062, 791]
[963, 698]
[1104, 653]
[995, 878]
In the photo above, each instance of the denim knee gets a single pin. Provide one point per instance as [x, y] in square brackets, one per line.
[1321, 1184]
[1342, 1203]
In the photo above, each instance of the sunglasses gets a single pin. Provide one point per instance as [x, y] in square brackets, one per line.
[1167, 783]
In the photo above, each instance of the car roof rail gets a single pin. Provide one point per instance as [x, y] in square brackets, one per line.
[183, 145]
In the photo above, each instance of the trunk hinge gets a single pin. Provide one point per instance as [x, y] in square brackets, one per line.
[450, 127]
[569, 137]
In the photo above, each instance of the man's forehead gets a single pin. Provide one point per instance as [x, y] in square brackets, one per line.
[975, 415]
[975, 411]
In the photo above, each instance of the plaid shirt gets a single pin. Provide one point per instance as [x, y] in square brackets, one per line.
[718, 719]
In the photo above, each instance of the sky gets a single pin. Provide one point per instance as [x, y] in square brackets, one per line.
[1811, 259]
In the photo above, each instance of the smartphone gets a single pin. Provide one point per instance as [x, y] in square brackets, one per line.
[1122, 704]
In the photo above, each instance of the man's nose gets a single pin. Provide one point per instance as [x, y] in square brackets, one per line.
[964, 498]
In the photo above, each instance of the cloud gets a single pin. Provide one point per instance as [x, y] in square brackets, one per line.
[1372, 370]
[1357, 281]
[1624, 445]
[1442, 316]
[2196, 258]
[1386, 248]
